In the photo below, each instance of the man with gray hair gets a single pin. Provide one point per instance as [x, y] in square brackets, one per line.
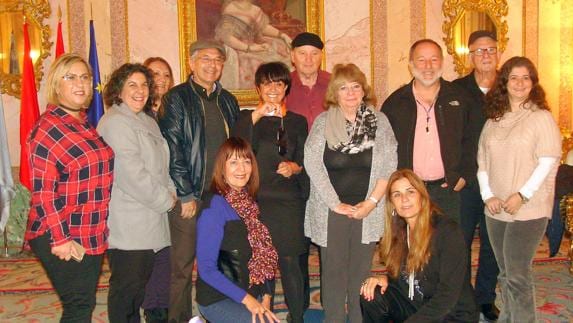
[198, 116]
[484, 57]
[432, 121]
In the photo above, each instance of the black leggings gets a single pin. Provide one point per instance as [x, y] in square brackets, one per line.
[293, 286]
[392, 306]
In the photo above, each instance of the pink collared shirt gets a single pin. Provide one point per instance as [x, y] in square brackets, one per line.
[428, 162]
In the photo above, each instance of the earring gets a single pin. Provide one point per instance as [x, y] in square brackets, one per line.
[393, 212]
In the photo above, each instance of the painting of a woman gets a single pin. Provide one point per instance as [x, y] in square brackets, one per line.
[250, 39]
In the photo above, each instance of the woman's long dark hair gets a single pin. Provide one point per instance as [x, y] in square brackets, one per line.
[497, 100]
[394, 251]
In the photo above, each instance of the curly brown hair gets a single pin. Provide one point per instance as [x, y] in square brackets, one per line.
[113, 88]
[497, 99]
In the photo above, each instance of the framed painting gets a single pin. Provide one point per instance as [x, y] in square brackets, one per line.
[252, 31]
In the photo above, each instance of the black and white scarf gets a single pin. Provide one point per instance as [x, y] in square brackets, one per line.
[351, 137]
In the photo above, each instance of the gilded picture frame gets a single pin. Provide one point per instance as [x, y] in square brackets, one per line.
[454, 10]
[191, 28]
[12, 15]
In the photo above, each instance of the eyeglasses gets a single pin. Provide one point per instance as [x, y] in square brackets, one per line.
[208, 60]
[282, 139]
[481, 51]
[351, 88]
[84, 78]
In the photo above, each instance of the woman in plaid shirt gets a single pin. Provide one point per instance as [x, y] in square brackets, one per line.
[72, 175]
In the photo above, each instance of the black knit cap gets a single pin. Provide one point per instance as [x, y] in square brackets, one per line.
[481, 33]
[307, 39]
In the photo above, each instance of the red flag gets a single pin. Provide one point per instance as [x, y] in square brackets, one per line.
[29, 110]
[59, 41]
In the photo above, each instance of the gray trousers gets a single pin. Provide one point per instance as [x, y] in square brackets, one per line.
[514, 245]
[345, 263]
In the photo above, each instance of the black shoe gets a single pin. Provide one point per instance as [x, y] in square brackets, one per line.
[490, 312]
[155, 315]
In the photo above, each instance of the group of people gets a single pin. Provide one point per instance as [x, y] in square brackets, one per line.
[174, 172]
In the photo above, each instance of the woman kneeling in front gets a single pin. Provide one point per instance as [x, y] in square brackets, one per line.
[424, 253]
[235, 256]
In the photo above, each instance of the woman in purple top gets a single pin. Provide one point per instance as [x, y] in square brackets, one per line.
[236, 259]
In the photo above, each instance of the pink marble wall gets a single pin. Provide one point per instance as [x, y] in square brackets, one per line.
[374, 34]
[148, 38]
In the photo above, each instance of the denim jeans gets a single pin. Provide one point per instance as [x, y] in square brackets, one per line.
[226, 311]
[514, 245]
[74, 282]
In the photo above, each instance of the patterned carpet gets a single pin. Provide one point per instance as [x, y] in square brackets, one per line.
[27, 296]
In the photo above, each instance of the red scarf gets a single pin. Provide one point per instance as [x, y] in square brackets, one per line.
[264, 258]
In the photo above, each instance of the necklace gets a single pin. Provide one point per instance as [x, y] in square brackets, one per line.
[427, 110]
[411, 275]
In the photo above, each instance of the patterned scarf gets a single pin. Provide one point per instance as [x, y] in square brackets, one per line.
[264, 258]
[347, 137]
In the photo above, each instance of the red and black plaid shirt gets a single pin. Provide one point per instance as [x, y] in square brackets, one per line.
[72, 175]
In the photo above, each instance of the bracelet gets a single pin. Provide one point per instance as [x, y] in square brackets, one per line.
[373, 199]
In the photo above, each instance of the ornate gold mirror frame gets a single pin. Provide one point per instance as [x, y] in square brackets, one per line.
[35, 12]
[454, 10]
[188, 30]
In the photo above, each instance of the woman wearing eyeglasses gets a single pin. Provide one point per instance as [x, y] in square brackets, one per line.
[349, 155]
[278, 137]
[72, 174]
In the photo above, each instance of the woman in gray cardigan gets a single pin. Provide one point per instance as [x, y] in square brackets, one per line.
[349, 155]
[142, 190]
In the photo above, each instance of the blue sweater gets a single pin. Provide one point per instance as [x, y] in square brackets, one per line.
[210, 230]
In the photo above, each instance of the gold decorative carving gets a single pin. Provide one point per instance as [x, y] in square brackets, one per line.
[188, 34]
[453, 11]
[35, 12]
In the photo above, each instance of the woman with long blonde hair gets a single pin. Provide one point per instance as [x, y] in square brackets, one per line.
[424, 252]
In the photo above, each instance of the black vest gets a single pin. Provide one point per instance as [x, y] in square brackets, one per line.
[233, 262]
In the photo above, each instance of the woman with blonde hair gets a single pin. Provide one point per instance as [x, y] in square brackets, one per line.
[349, 154]
[72, 175]
[424, 252]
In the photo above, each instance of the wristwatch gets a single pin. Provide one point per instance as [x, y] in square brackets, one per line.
[523, 198]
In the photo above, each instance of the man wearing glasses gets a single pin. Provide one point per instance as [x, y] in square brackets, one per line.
[484, 58]
[197, 119]
[431, 119]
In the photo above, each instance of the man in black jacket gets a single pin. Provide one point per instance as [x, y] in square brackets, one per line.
[432, 121]
[197, 119]
[484, 58]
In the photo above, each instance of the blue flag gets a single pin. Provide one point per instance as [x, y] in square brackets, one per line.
[95, 111]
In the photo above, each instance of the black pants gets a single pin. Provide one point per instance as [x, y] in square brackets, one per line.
[472, 216]
[447, 200]
[392, 306]
[303, 261]
[130, 271]
[74, 282]
[183, 245]
[293, 287]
